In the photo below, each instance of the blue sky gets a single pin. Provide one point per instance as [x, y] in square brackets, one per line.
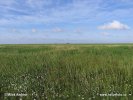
[61, 21]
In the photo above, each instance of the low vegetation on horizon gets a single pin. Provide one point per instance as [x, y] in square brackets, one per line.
[67, 72]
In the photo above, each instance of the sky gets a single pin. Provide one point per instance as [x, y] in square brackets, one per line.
[66, 21]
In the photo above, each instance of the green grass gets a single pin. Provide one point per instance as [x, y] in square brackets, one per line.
[67, 72]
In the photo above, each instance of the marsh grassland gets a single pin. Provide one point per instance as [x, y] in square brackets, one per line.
[66, 72]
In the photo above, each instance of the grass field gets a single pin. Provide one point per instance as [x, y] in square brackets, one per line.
[67, 72]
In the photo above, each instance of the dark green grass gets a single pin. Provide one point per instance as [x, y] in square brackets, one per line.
[67, 72]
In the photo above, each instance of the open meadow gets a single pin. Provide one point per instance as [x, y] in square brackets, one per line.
[67, 72]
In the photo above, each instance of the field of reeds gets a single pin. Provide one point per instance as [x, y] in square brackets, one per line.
[66, 72]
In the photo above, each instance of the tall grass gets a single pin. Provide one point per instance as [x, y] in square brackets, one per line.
[66, 72]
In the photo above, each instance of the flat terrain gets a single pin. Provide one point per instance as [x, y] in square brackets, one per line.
[67, 72]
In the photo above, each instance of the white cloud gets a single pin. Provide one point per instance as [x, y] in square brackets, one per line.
[114, 25]
[58, 30]
[78, 31]
[34, 30]
[14, 30]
